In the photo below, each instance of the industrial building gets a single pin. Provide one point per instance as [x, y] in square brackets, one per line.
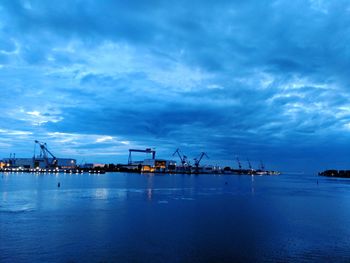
[92, 165]
[64, 163]
[158, 165]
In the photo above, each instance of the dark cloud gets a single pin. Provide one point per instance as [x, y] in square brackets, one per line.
[263, 79]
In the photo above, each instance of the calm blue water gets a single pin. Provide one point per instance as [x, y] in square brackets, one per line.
[120, 217]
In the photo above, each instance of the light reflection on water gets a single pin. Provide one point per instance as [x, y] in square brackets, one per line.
[177, 218]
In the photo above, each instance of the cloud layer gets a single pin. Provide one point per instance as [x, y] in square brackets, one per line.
[256, 79]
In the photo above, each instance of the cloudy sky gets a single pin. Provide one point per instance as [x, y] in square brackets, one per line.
[256, 79]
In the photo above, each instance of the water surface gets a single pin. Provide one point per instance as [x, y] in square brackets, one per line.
[118, 217]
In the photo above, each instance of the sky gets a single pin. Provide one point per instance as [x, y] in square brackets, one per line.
[264, 80]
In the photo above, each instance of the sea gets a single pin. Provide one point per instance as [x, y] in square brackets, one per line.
[125, 217]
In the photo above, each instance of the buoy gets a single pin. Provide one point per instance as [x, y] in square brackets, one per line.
[59, 185]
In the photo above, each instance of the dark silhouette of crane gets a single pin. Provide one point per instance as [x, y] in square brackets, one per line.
[262, 166]
[198, 160]
[183, 158]
[45, 153]
[148, 150]
[239, 163]
[249, 164]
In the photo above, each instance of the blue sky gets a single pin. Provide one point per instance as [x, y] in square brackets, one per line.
[256, 79]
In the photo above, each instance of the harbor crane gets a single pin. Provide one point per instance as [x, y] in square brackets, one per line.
[45, 153]
[239, 163]
[262, 166]
[183, 158]
[147, 150]
[249, 165]
[198, 160]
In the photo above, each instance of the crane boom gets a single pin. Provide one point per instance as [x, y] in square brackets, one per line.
[198, 160]
[249, 164]
[178, 153]
[183, 158]
[44, 153]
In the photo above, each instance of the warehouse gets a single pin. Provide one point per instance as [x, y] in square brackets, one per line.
[64, 163]
[158, 165]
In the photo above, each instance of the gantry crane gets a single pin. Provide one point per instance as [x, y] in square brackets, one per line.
[148, 150]
[45, 153]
